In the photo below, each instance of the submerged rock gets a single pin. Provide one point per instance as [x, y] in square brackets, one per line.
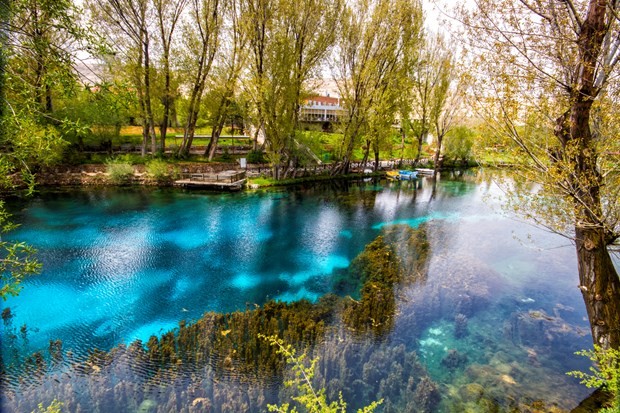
[536, 328]
[457, 288]
[147, 406]
[471, 392]
[453, 360]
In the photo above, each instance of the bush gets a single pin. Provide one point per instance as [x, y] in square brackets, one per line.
[226, 156]
[160, 171]
[129, 158]
[604, 374]
[256, 156]
[120, 172]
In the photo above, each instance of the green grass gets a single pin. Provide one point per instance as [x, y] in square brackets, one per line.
[268, 182]
[493, 157]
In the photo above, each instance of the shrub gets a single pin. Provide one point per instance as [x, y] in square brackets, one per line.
[119, 171]
[226, 156]
[160, 171]
[256, 156]
[129, 158]
[311, 399]
[605, 373]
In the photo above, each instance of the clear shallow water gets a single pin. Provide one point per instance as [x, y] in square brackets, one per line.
[123, 264]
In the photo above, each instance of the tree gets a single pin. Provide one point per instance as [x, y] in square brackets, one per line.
[98, 113]
[547, 72]
[202, 39]
[128, 27]
[459, 142]
[41, 39]
[373, 40]
[433, 93]
[43, 36]
[289, 40]
[445, 99]
[233, 58]
[35, 58]
[168, 15]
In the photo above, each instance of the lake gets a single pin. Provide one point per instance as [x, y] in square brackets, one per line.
[492, 325]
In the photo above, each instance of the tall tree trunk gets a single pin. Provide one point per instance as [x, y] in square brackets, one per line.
[402, 146]
[421, 137]
[145, 129]
[437, 155]
[163, 130]
[215, 136]
[376, 150]
[194, 108]
[147, 96]
[218, 125]
[366, 153]
[351, 131]
[598, 278]
[600, 286]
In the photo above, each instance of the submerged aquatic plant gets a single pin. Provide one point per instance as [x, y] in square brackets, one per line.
[605, 373]
[227, 367]
[312, 400]
[397, 257]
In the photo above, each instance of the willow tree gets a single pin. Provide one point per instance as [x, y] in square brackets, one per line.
[289, 40]
[202, 40]
[548, 79]
[168, 15]
[374, 37]
[432, 92]
[127, 24]
[229, 65]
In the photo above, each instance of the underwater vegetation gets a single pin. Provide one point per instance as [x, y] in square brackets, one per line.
[219, 363]
[397, 257]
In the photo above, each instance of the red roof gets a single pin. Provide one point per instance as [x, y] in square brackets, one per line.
[322, 100]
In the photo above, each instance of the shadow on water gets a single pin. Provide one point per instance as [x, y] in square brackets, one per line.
[432, 311]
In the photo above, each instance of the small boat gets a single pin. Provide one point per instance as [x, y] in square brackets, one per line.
[425, 171]
[402, 175]
[407, 175]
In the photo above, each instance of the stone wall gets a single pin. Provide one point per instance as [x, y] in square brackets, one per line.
[95, 174]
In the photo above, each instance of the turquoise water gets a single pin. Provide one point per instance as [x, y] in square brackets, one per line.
[124, 264]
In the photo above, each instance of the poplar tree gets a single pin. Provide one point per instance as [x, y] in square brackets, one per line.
[168, 14]
[373, 41]
[289, 41]
[202, 41]
[127, 24]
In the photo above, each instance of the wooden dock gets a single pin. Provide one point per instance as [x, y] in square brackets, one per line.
[224, 181]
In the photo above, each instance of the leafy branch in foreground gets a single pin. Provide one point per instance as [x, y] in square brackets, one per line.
[311, 399]
[55, 407]
[605, 373]
[16, 259]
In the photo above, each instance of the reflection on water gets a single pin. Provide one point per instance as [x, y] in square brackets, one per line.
[492, 324]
